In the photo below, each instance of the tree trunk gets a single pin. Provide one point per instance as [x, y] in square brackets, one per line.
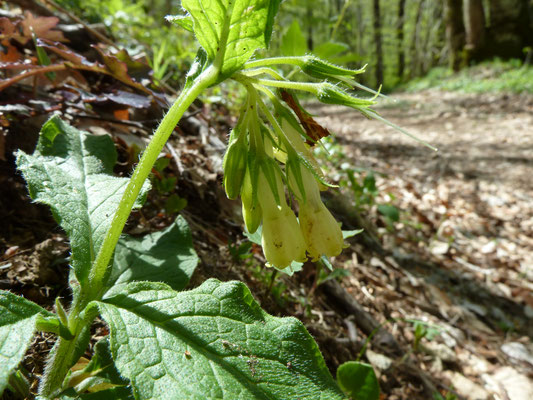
[310, 25]
[455, 32]
[399, 39]
[378, 41]
[474, 20]
[415, 42]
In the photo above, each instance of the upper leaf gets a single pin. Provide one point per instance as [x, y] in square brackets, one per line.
[212, 342]
[69, 171]
[17, 324]
[293, 42]
[167, 256]
[231, 30]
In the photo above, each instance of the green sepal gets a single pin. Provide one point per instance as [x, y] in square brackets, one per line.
[320, 69]
[317, 174]
[272, 173]
[293, 167]
[331, 94]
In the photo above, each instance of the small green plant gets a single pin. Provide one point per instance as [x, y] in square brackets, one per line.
[213, 341]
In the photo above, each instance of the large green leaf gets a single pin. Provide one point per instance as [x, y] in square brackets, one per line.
[17, 324]
[232, 30]
[70, 171]
[213, 342]
[358, 380]
[167, 256]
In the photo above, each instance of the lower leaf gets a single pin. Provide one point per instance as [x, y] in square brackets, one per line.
[17, 324]
[358, 380]
[212, 342]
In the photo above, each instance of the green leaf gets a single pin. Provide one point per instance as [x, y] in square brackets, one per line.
[167, 256]
[293, 42]
[17, 324]
[118, 393]
[358, 380]
[230, 31]
[99, 373]
[389, 211]
[69, 171]
[185, 21]
[328, 50]
[349, 234]
[212, 342]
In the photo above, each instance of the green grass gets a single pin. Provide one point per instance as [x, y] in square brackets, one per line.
[492, 76]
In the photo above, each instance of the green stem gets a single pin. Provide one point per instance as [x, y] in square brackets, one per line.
[303, 86]
[261, 71]
[98, 271]
[67, 351]
[275, 61]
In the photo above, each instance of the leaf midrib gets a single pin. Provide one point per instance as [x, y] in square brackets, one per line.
[209, 355]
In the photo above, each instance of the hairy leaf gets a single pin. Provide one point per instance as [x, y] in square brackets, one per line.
[167, 256]
[99, 375]
[69, 171]
[17, 323]
[232, 30]
[212, 342]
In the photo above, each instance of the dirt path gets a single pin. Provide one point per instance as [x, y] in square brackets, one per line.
[463, 249]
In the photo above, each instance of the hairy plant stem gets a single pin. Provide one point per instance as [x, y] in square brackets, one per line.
[66, 351]
[98, 271]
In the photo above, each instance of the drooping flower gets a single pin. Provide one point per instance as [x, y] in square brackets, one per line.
[322, 233]
[282, 238]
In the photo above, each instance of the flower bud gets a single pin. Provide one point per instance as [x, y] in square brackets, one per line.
[320, 69]
[234, 165]
[282, 238]
[251, 210]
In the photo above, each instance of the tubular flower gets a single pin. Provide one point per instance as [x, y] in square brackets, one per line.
[321, 231]
[282, 238]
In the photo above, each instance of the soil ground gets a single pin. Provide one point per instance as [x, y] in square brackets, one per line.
[461, 256]
[458, 264]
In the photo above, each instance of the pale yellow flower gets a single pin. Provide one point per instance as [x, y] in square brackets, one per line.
[282, 238]
[322, 233]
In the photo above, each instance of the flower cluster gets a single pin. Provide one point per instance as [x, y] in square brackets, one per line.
[261, 161]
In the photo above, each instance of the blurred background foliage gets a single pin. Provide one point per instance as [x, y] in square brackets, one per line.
[400, 40]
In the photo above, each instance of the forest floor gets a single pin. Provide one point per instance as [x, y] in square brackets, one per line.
[461, 255]
[445, 293]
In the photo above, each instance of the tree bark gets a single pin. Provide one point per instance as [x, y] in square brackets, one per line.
[474, 20]
[415, 42]
[310, 25]
[378, 42]
[399, 39]
[455, 32]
